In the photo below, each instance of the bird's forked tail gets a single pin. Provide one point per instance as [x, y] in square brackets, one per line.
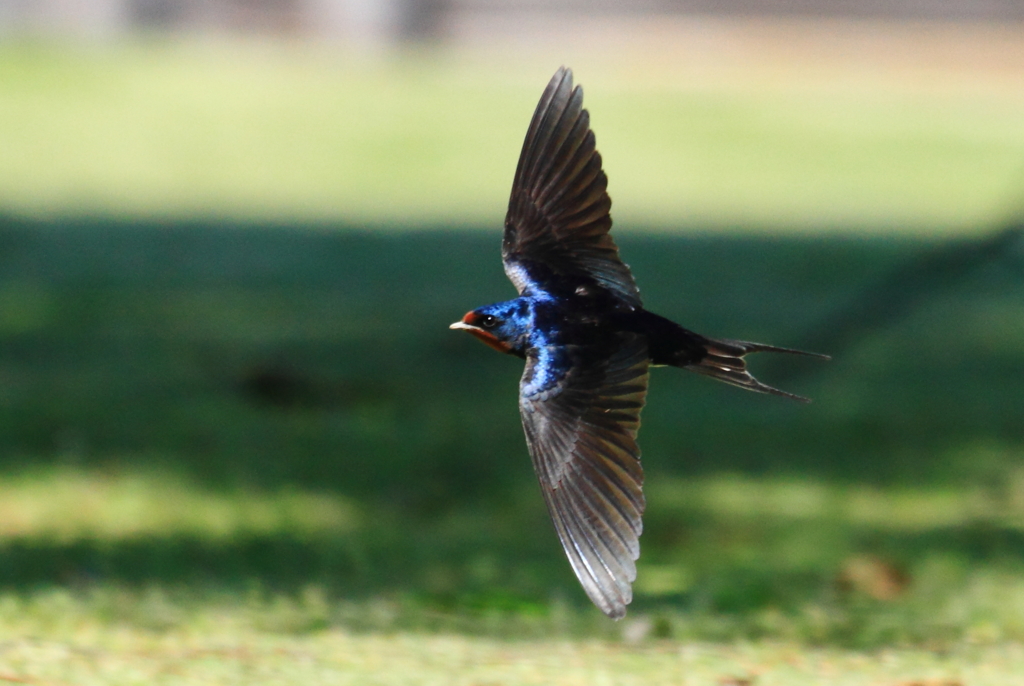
[724, 361]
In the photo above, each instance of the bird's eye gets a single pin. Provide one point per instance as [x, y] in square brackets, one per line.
[488, 321]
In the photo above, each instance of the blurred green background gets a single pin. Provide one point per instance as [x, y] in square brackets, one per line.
[227, 270]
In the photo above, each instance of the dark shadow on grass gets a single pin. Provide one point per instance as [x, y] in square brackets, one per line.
[444, 572]
[319, 356]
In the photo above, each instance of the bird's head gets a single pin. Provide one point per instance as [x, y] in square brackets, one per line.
[503, 326]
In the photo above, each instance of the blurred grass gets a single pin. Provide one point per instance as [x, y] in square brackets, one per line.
[211, 411]
[263, 356]
[132, 502]
[139, 503]
[223, 647]
[245, 442]
[272, 131]
[725, 558]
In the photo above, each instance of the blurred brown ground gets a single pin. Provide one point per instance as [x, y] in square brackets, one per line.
[929, 54]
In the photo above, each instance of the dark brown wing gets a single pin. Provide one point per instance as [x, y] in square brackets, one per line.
[581, 410]
[558, 215]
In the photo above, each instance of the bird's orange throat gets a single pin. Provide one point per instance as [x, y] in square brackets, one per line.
[470, 323]
[491, 340]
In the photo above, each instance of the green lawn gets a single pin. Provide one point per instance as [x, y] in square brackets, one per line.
[216, 413]
[271, 131]
[959, 622]
[221, 647]
[238, 443]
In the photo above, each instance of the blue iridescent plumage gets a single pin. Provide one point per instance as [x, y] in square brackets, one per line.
[588, 344]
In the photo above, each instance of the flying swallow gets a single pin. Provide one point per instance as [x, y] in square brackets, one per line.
[588, 343]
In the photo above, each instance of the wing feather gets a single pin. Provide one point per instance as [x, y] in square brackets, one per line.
[580, 427]
[558, 215]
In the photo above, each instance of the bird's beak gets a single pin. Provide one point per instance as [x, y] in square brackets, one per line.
[462, 325]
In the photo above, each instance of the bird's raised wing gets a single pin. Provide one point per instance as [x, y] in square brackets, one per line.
[580, 407]
[558, 215]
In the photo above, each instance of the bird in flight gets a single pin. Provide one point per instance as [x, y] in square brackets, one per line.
[588, 343]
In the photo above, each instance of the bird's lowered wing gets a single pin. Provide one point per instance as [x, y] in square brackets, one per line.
[580, 407]
[558, 214]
